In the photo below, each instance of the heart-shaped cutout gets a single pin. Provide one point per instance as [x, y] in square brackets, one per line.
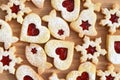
[84, 76]
[32, 30]
[27, 77]
[62, 52]
[69, 5]
[25, 72]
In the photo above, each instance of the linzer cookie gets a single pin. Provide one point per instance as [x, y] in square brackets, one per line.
[6, 35]
[32, 30]
[54, 77]
[37, 57]
[112, 18]
[109, 74]
[85, 24]
[90, 50]
[15, 9]
[57, 26]
[8, 60]
[69, 8]
[86, 71]
[25, 72]
[61, 51]
[113, 47]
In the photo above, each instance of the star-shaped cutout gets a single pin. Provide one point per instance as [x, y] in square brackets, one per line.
[114, 18]
[85, 25]
[60, 32]
[109, 77]
[15, 8]
[6, 60]
[91, 50]
[34, 51]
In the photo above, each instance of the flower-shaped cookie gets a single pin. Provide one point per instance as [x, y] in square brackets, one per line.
[37, 57]
[69, 8]
[25, 72]
[85, 24]
[57, 26]
[8, 60]
[32, 30]
[108, 74]
[90, 50]
[61, 51]
[86, 71]
[54, 77]
[113, 47]
[38, 3]
[112, 18]
[6, 35]
[15, 9]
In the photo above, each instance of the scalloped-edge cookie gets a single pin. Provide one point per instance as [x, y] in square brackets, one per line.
[6, 35]
[57, 26]
[54, 77]
[8, 60]
[113, 47]
[112, 18]
[15, 9]
[86, 71]
[62, 53]
[108, 74]
[69, 8]
[90, 50]
[85, 24]
[37, 57]
[25, 72]
[32, 30]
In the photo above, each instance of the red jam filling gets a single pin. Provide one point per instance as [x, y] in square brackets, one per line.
[114, 18]
[109, 77]
[85, 25]
[27, 78]
[62, 52]
[0, 26]
[69, 5]
[6, 60]
[15, 8]
[84, 76]
[32, 30]
[117, 46]
[91, 50]
[34, 51]
[60, 32]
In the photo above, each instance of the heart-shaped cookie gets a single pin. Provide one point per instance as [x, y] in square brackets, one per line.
[69, 8]
[6, 34]
[86, 71]
[37, 57]
[57, 26]
[61, 51]
[84, 25]
[25, 72]
[33, 31]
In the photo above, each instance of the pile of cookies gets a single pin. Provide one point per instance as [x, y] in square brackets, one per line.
[61, 50]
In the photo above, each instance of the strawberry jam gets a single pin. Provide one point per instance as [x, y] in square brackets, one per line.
[27, 78]
[32, 30]
[114, 18]
[62, 52]
[84, 76]
[34, 51]
[117, 46]
[69, 5]
[109, 77]
[15, 8]
[5, 60]
[60, 32]
[85, 25]
[91, 50]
